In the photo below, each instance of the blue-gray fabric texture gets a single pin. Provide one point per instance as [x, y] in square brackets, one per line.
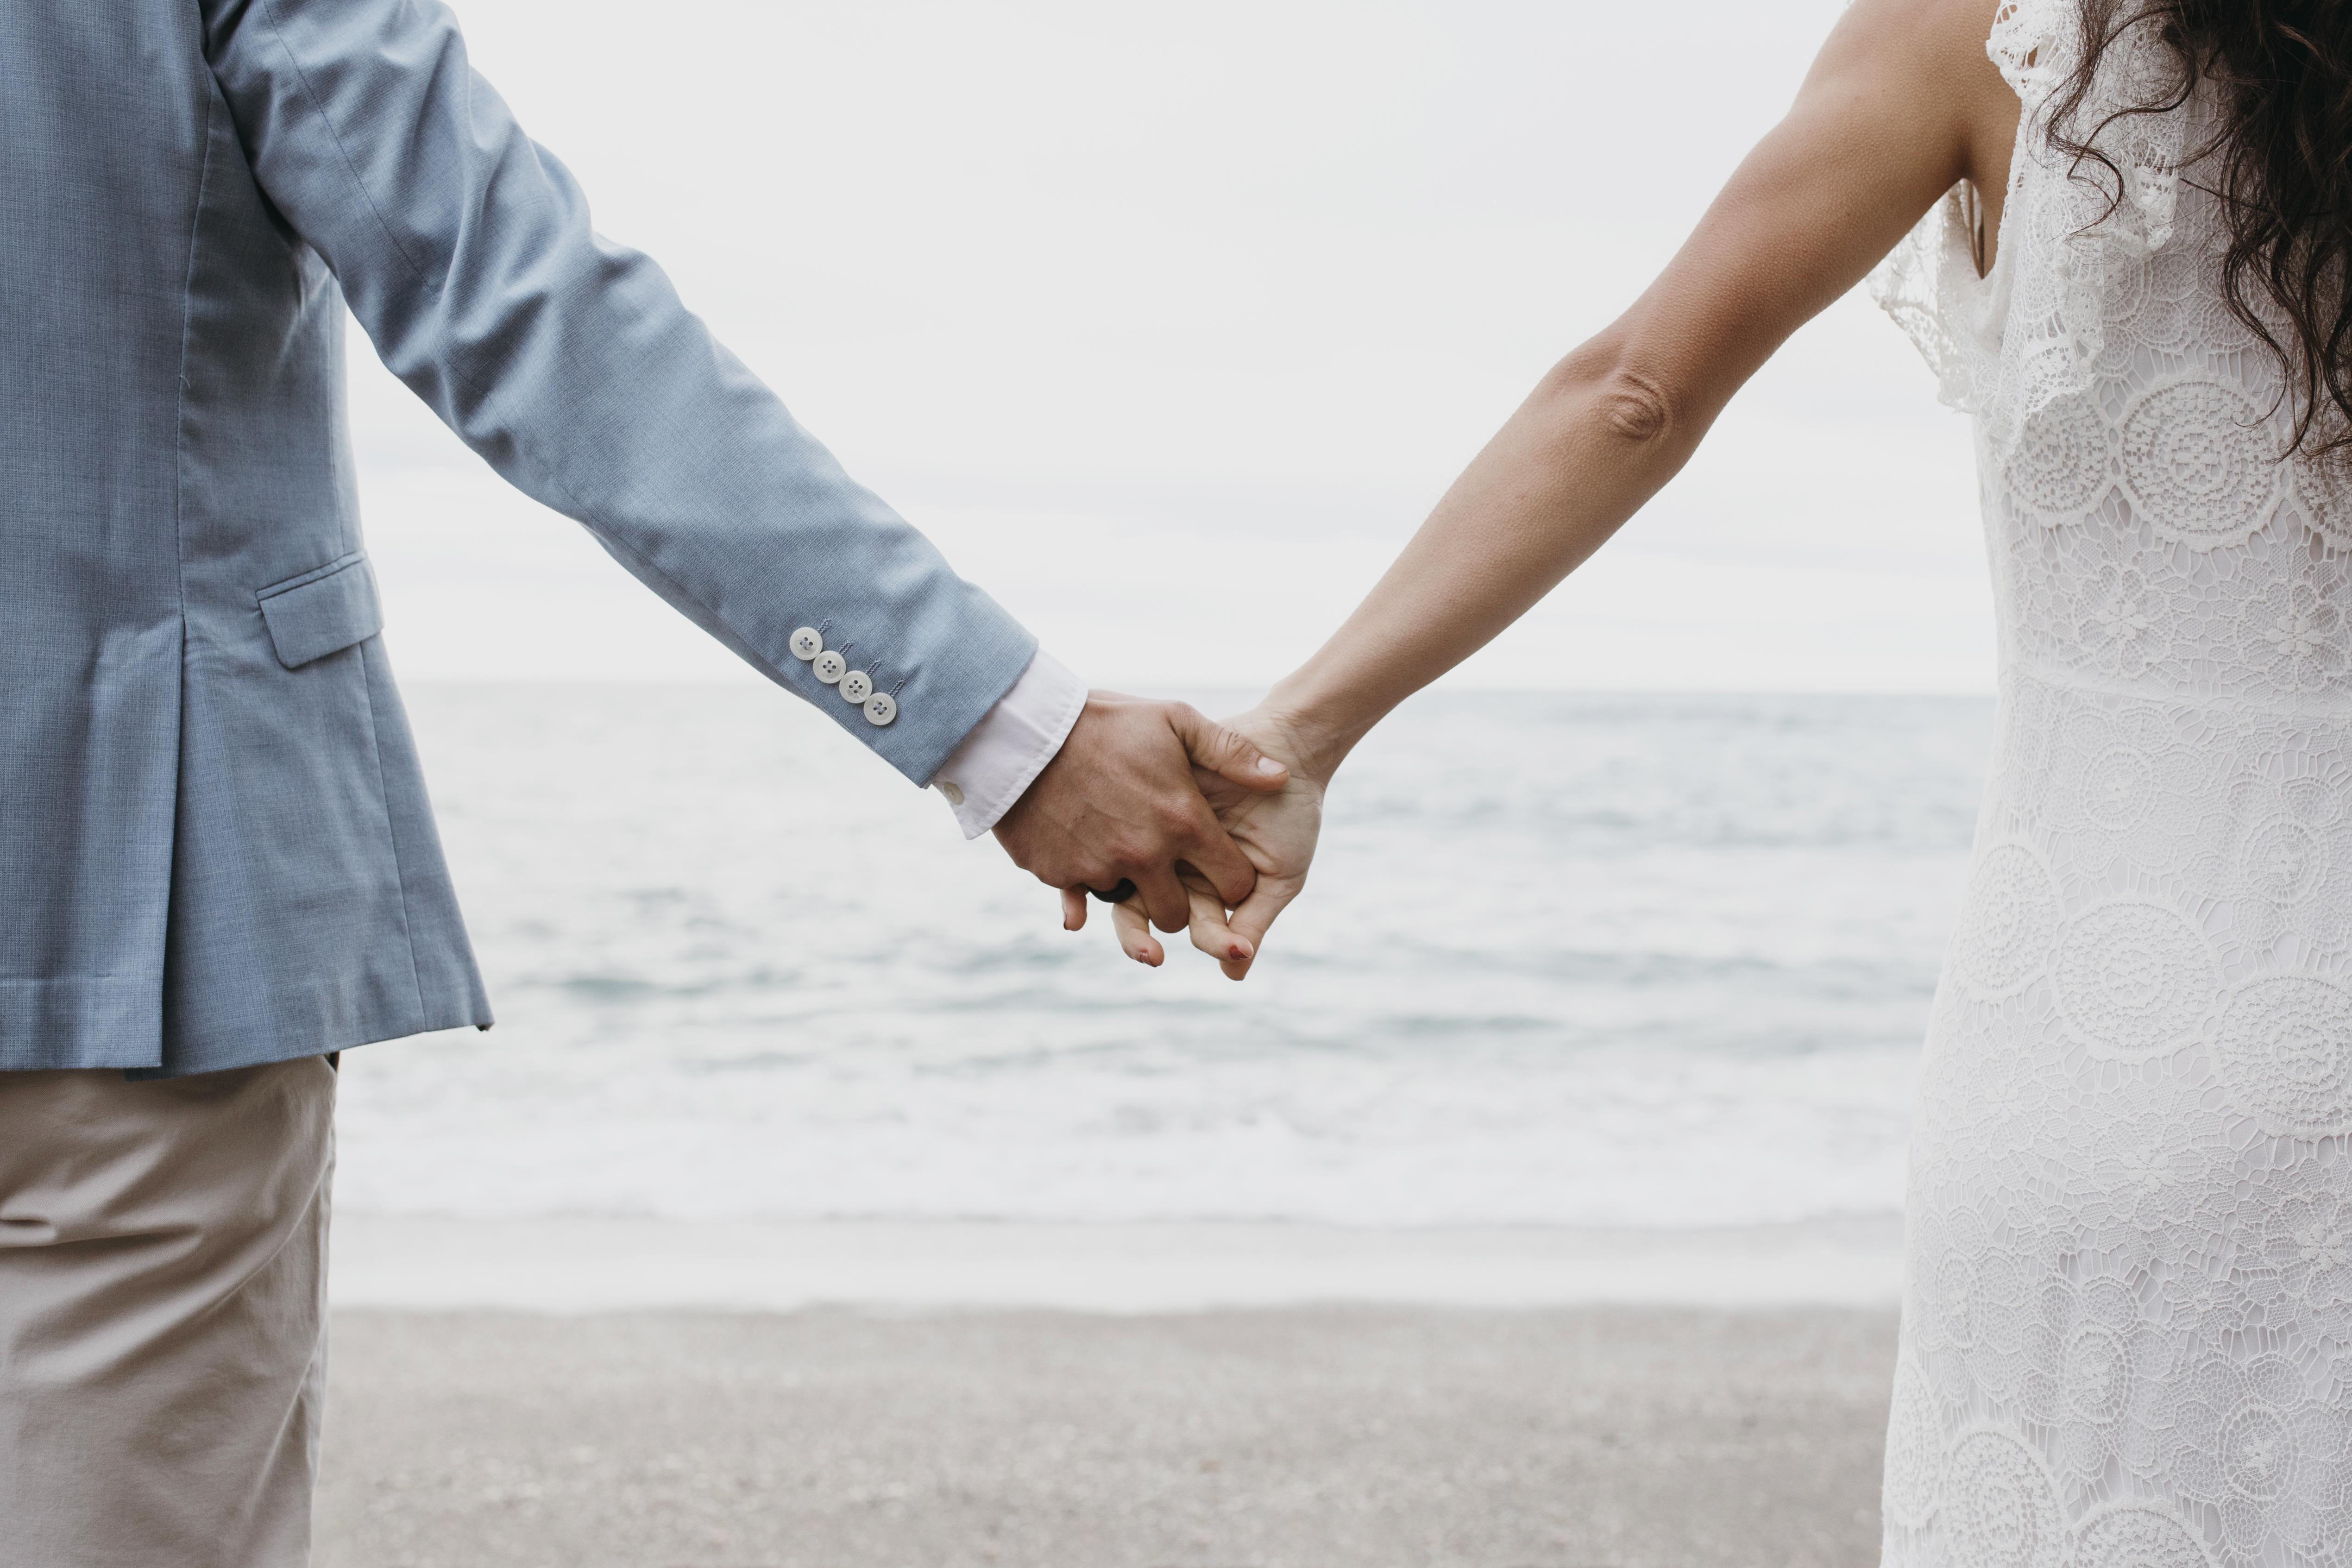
[215, 848]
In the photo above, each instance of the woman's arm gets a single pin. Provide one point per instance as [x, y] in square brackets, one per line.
[1901, 105]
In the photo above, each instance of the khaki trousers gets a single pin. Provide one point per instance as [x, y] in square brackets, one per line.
[162, 1349]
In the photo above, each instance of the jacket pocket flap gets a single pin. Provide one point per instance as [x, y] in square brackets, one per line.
[322, 612]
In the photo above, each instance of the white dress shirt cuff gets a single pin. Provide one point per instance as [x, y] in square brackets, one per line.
[1012, 745]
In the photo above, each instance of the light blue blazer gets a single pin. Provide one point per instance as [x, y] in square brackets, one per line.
[215, 844]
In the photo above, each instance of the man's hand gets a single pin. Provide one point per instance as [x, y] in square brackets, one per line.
[1275, 830]
[1120, 802]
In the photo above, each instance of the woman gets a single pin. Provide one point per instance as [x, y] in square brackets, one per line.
[2129, 1293]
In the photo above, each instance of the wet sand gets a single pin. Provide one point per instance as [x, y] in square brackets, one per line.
[1598, 1436]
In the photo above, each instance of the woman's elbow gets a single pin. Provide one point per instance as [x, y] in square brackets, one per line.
[1637, 409]
[1603, 392]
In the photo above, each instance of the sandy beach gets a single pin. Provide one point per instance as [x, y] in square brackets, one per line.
[426, 1263]
[1366, 1435]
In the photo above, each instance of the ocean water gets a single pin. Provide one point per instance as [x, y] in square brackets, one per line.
[1648, 960]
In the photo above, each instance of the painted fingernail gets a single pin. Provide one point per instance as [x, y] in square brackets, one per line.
[1237, 950]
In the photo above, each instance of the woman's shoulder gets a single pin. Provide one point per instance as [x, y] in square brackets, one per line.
[1963, 62]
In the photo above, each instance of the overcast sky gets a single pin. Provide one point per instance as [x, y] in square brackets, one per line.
[1170, 323]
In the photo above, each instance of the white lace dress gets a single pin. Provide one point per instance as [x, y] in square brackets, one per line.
[2128, 1310]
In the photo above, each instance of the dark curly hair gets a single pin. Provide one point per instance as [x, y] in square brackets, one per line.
[2279, 162]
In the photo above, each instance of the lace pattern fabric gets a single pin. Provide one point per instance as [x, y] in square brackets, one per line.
[2127, 1310]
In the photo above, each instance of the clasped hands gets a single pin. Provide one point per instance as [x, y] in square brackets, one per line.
[1213, 824]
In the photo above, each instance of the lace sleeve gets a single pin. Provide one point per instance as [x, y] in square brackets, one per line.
[1926, 284]
[2071, 243]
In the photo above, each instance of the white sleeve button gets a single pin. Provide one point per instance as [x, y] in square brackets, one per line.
[830, 667]
[953, 792]
[857, 686]
[880, 708]
[807, 644]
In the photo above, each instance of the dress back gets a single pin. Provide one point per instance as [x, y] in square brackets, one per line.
[2128, 1301]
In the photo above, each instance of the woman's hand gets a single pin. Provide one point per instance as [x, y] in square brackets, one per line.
[1275, 831]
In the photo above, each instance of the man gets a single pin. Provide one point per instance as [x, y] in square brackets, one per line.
[217, 865]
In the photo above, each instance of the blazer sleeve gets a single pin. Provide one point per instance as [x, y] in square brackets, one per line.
[571, 365]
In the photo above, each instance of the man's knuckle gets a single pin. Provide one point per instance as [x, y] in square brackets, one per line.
[1174, 822]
